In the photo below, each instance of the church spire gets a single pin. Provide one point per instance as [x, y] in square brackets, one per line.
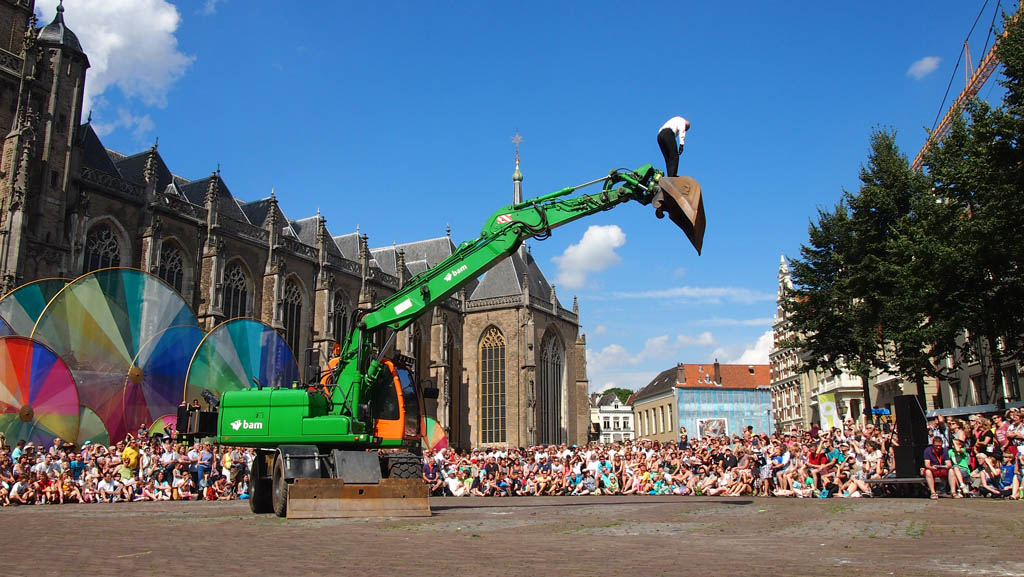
[517, 176]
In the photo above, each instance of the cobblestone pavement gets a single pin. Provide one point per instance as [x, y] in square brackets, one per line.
[560, 537]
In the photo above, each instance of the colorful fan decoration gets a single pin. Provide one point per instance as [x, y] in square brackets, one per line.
[233, 354]
[156, 379]
[434, 439]
[90, 428]
[98, 324]
[163, 425]
[5, 329]
[38, 397]
[22, 306]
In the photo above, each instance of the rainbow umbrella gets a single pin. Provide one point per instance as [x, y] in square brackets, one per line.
[163, 425]
[156, 379]
[98, 324]
[22, 306]
[5, 329]
[38, 397]
[234, 353]
[434, 439]
[90, 428]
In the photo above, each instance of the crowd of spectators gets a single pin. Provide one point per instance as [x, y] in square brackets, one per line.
[977, 456]
[851, 461]
[136, 469]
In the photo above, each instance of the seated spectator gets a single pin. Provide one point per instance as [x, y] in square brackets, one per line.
[937, 466]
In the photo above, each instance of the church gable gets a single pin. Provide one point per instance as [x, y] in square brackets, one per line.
[195, 192]
[94, 155]
[133, 169]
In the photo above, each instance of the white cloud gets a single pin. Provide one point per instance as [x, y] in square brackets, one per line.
[627, 380]
[594, 253]
[210, 7]
[708, 295]
[131, 45]
[139, 125]
[923, 67]
[758, 353]
[655, 348]
[600, 330]
[724, 322]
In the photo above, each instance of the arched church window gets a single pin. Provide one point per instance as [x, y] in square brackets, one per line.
[172, 265]
[101, 248]
[293, 317]
[340, 318]
[236, 291]
[549, 401]
[492, 387]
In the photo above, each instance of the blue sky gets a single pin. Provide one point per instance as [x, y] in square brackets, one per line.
[397, 117]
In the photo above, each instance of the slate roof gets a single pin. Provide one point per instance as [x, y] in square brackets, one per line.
[348, 244]
[430, 252]
[195, 192]
[94, 155]
[257, 211]
[133, 169]
[659, 385]
[505, 279]
[58, 33]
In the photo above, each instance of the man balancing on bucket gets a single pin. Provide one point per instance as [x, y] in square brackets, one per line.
[672, 130]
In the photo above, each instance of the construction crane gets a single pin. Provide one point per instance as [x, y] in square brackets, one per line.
[975, 79]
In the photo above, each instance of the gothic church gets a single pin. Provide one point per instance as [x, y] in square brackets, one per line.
[508, 357]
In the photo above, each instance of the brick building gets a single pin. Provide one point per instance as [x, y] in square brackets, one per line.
[508, 357]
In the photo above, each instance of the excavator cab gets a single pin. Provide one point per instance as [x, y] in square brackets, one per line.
[680, 197]
[398, 403]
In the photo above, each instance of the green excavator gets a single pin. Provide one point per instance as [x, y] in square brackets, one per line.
[351, 446]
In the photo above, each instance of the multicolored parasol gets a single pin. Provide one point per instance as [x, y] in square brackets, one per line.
[233, 354]
[163, 425]
[156, 380]
[90, 428]
[38, 397]
[434, 439]
[22, 306]
[98, 324]
[5, 329]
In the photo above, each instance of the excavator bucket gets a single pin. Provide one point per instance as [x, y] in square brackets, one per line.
[331, 498]
[680, 197]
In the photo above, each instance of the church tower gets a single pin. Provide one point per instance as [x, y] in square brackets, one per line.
[37, 193]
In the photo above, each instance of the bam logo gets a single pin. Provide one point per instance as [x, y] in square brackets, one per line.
[243, 424]
[454, 273]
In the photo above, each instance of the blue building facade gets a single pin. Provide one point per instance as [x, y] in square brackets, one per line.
[717, 411]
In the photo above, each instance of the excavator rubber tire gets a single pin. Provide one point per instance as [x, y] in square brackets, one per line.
[279, 488]
[404, 466]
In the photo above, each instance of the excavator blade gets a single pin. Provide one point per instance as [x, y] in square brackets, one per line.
[680, 197]
[330, 498]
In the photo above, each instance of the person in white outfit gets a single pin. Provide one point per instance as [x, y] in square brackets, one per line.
[673, 130]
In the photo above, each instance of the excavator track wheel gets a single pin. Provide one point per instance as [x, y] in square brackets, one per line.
[404, 466]
[279, 488]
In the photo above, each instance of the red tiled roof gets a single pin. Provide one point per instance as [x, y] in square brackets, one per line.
[702, 375]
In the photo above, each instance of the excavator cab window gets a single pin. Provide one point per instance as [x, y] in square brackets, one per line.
[411, 403]
[385, 402]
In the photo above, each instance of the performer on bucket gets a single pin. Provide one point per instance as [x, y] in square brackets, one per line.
[675, 128]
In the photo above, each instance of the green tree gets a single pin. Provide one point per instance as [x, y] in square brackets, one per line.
[622, 394]
[847, 282]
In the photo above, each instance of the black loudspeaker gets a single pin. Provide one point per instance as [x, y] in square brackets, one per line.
[912, 434]
[182, 424]
[202, 423]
